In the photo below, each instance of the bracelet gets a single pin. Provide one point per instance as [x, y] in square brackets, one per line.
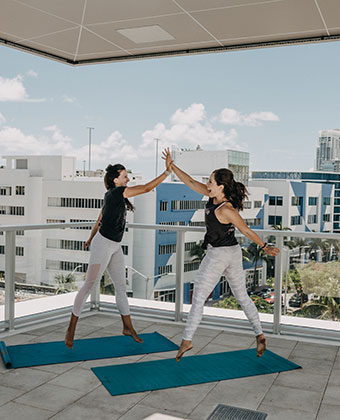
[264, 245]
[167, 173]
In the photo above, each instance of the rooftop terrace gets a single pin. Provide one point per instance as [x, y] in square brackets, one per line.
[72, 391]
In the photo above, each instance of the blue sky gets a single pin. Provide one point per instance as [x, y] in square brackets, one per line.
[270, 102]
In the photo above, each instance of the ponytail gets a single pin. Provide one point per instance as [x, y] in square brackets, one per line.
[112, 172]
[234, 191]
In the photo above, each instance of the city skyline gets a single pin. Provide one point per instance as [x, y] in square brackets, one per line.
[271, 103]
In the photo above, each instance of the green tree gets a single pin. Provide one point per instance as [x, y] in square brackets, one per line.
[231, 303]
[256, 254]
[322, 279]
[197, 252]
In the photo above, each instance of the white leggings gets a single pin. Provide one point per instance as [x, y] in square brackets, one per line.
[105, 254]
[227, 261]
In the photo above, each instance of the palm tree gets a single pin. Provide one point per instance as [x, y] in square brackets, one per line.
[332, 244]
[65, 283]
[298, 243]
[197, 252]
[317, 244]
[256, 254]
[280, 227]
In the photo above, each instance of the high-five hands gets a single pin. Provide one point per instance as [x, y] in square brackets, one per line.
[166, 155]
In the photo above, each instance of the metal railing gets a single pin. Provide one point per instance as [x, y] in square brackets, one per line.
[10, 239]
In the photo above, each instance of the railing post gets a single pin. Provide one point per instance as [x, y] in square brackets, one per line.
[179, 275]
[10, 278]
[278, 287]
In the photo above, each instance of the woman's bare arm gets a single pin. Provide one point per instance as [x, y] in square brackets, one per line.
[94, 230]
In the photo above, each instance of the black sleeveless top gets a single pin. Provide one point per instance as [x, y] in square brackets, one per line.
[218, 234]
[112, 224]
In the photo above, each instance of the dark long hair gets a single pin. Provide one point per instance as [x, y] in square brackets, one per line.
[112, 172]
[234, 191]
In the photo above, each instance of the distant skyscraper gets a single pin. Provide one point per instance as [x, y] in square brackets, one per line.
[328, 151]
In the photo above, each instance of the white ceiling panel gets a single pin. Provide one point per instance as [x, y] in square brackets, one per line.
[90, 31]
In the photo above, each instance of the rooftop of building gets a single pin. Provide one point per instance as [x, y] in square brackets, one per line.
[72, 391]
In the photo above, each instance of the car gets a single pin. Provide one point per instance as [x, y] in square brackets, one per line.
[296, 301]
[270, 298]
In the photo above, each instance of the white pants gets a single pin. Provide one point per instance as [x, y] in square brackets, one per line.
[227, 261]
[105, 254]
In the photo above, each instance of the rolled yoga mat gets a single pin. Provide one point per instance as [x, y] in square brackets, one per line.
[53, 352]
[192, 370]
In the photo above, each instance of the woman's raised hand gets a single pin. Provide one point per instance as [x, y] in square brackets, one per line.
[166, 155]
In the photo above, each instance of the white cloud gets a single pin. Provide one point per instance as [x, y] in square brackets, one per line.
[69, 99]
[188, 129]
[2, 119]
[230, 116]
[13, 90]
[189, 116]
[32, 73]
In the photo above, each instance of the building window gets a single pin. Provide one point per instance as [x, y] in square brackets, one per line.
[19, 250]
[125, 249]
[178, 223]
[163, 269]
[313, 201]
[247, 205]
[163, 206]
[197, 223]
[188, 246]
[20, 190]
[326, 217]
[66, 266]
[21, 164]
[296, 220]
[312, 218]
[275, 200]
[187, 204]
[326, 201]
[296, 201]
[5, 190]
[83, 220]
[191, 266]
[165, 295]
[66, 244]
[257, 204]
[88, 203]
[16, 211]
[166, 249]
[274, 220]
[253, 222]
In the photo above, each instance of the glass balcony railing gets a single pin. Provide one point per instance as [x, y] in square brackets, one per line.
[297, 292]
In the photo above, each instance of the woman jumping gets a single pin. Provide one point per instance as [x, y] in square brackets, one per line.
[224, 255]
[106, 252]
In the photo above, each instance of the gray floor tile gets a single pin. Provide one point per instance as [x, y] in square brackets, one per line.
[77, 378]
[335, 377]
[234, 340]
[50, 397]
[332, 396]
[100, 397]
[168, 331]
[25, 378]
[302, 379]
[185, 399]
[8, 394]
[280, 342]
[328, 412]
[299, 399]
[207, 332]
[312, 365]
[18, 339]
[313, 351]
[281, 351]
[277, 413]
[94, 412]
[15, 411]
[108, 362]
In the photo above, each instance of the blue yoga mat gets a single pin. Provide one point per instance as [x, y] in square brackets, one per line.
[192, 370]
[38, 354]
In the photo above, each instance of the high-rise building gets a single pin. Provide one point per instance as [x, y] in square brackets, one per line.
[328, 151]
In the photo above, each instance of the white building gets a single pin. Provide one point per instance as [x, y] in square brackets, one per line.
[298, 205]
[45, 189]
[328, 151]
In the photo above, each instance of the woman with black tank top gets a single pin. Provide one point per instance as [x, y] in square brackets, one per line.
[106, 251]
[224, 255]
